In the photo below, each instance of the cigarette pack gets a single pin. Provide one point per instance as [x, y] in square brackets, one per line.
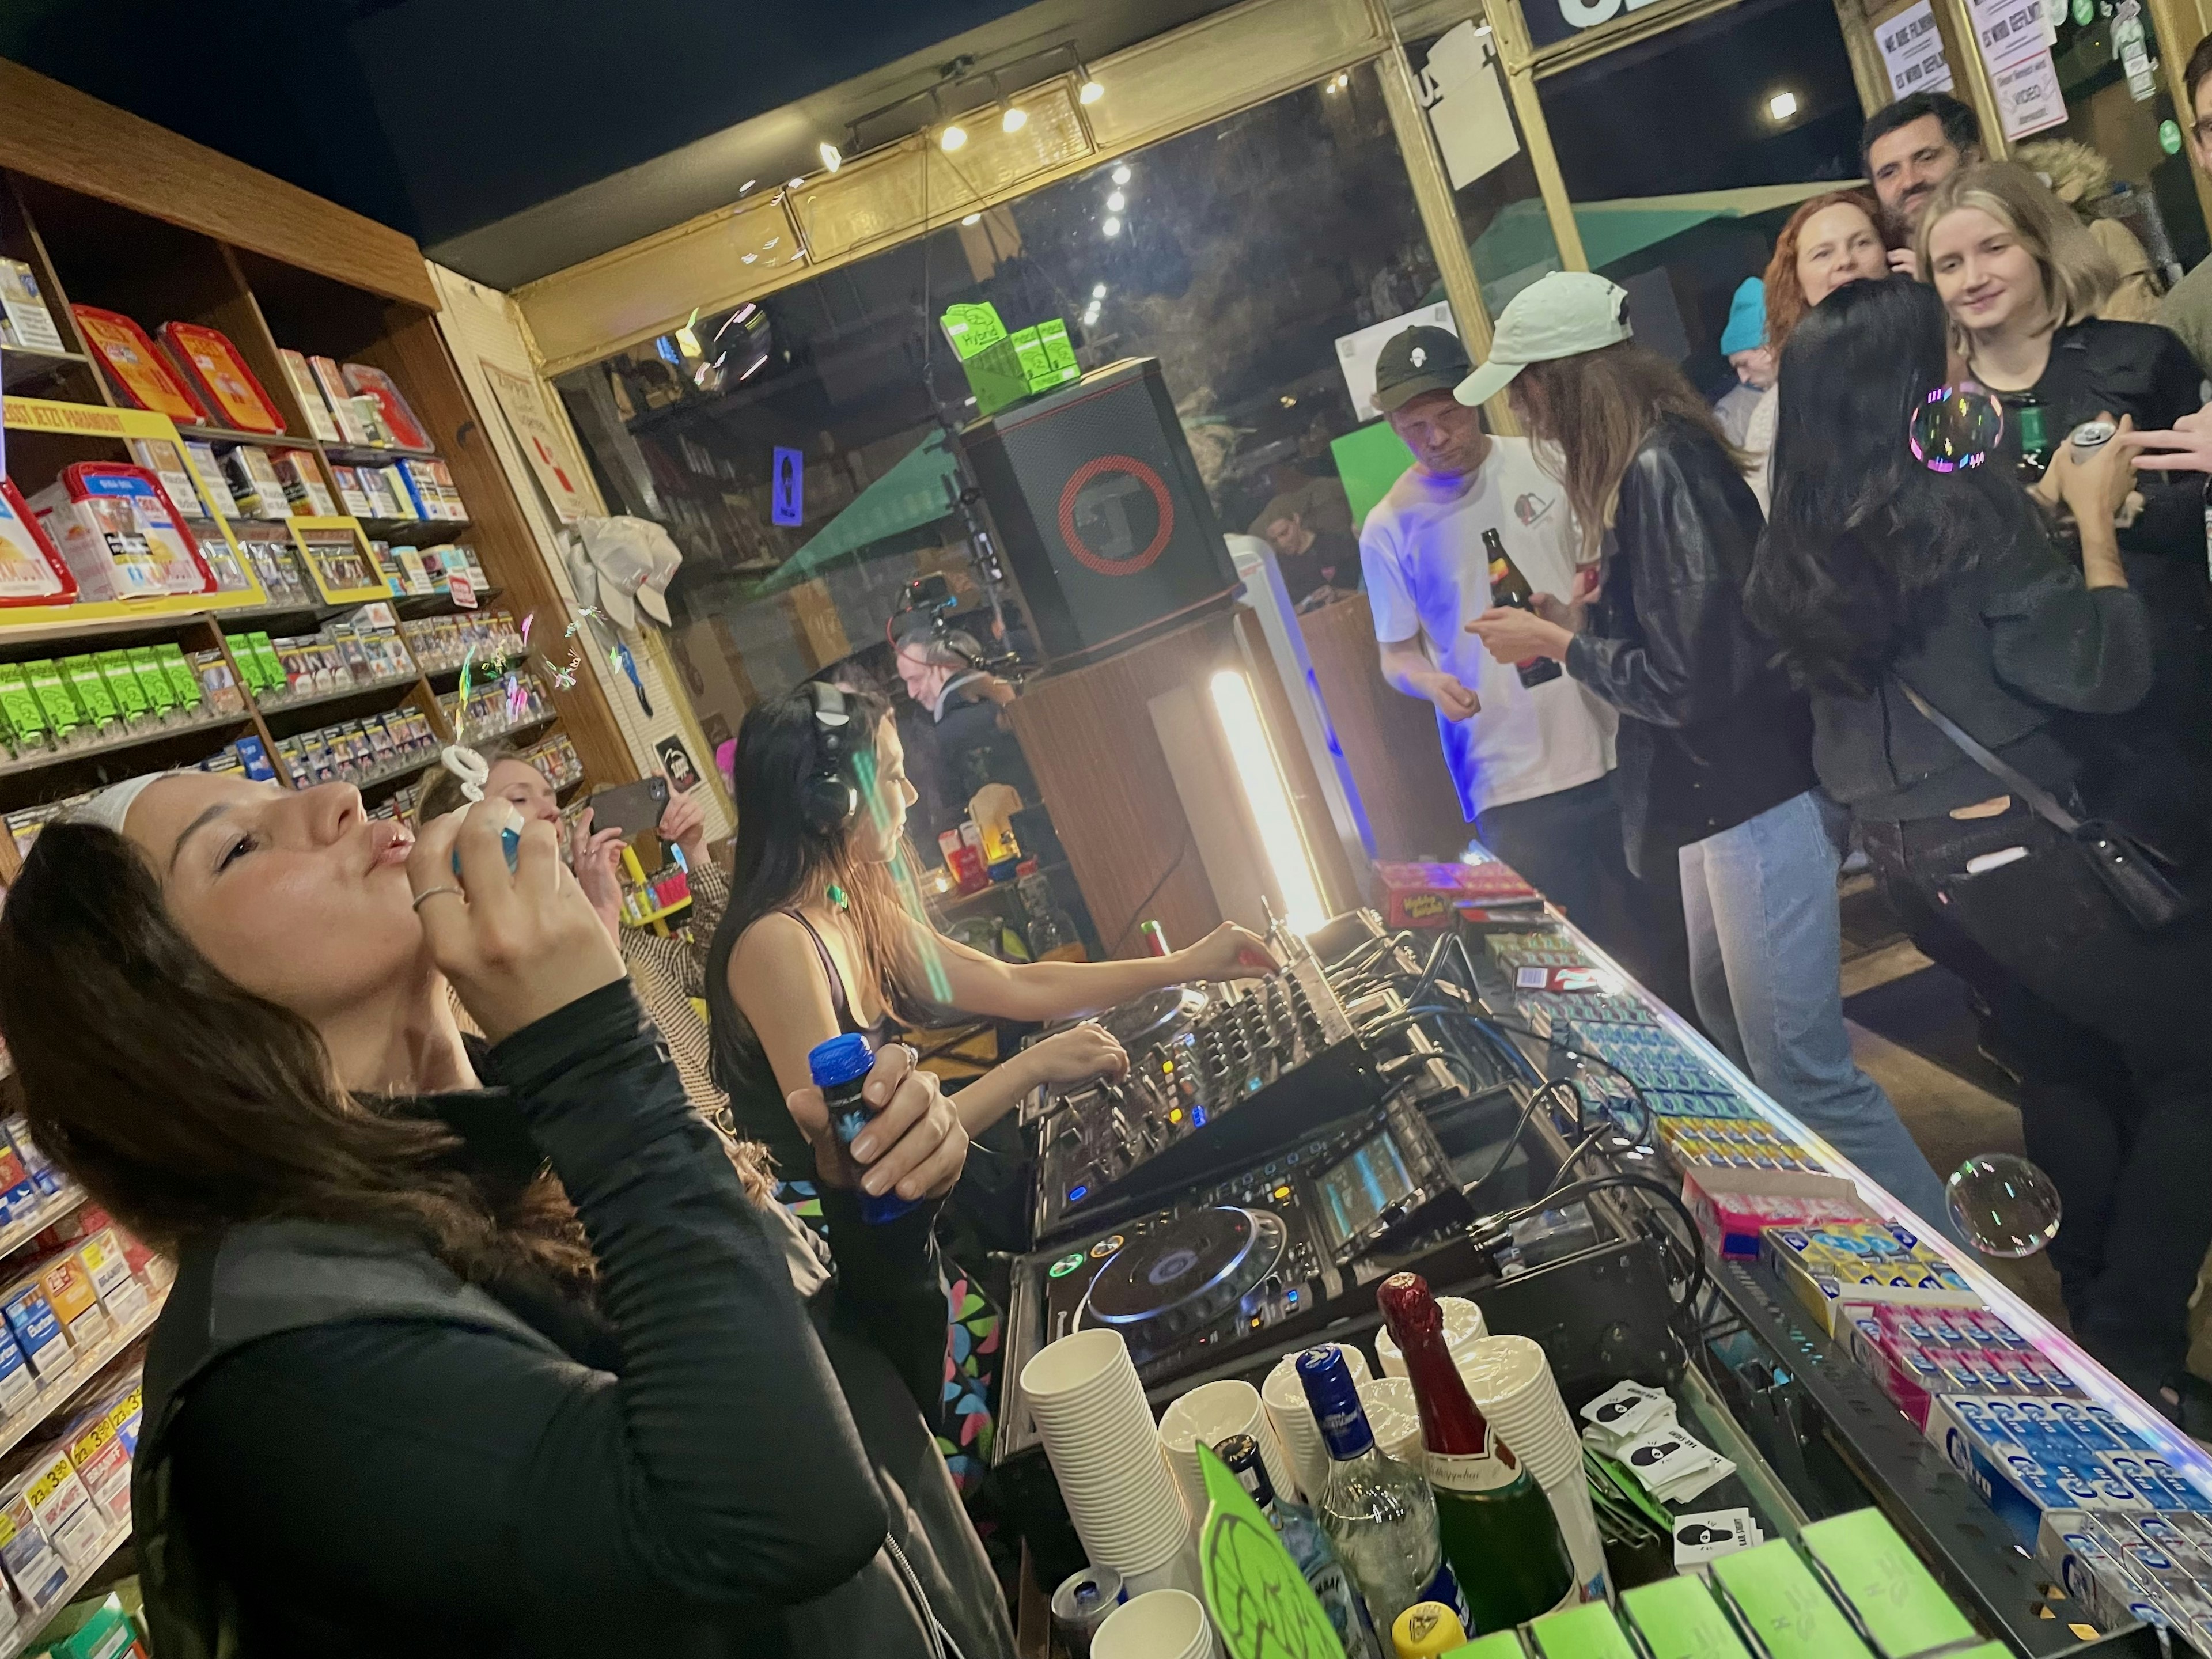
[254, 483]
[119, 534]
[24, 319]
[76, 1304]
[102, 1462]
[65, 1510]
[219, 377]
[125, 1413]
[403, 429]
[108, 1267]
[135, 367]
[215, 488]
[18, 1387]
[302, 484]
[38, 1572]
[312, 401]
[351, 495]
[43, 1172]
[340, 397]
[31, 569]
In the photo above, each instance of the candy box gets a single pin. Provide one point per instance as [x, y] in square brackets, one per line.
[1425, 895]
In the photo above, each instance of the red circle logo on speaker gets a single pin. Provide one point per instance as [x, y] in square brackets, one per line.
[1104, 508]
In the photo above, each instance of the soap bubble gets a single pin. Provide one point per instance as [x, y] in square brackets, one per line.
[2004, 1206]
[1956, 427]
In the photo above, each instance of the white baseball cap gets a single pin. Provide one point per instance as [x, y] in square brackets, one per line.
[1560, 315]
[632, 559]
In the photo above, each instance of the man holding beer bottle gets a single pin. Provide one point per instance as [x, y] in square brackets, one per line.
[1474, 522]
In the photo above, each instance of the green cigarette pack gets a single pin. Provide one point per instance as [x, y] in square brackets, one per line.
[182, 680]
[1584, 1633]
[153, 678]
[273, 676]
[123, 685]
[1059, 353]
[1783, 1605]
[26, 720]
[1678, 1618]
[91, 689]
[63, 716]
[1878, 1576]
[973, 329]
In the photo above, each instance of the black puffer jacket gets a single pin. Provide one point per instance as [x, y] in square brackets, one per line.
[1711, 733]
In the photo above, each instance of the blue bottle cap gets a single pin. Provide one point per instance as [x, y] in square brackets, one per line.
[1334, 1398]
[840, 1060]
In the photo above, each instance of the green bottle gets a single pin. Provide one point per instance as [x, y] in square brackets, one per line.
[1500, 1537]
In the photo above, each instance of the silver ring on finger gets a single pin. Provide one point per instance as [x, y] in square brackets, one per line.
[433, 892]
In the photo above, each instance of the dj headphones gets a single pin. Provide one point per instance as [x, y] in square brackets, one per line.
[827, 800]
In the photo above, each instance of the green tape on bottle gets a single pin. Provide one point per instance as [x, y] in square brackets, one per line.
[1876, 1573]
[1678, 1618]
[1584, 1633]
[1783, 1606]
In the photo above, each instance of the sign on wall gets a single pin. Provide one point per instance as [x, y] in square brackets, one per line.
[788, 498]
[1460, 87]
[1913, 52]
[541, 441]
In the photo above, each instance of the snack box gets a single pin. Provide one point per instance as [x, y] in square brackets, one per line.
[312, 401]
[76, 1304]
[34, 1567]
[1735, 1207]
[32, 569]
[120, 534]
[135, 366]
[220, 378]
[1424, 894]
[65, 1510]
[101, 1461]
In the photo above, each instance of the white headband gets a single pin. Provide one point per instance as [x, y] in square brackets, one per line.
[112, 805]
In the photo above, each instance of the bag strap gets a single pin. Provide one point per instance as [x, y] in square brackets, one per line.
[2041, 801]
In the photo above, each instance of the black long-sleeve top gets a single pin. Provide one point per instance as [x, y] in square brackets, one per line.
[708, 1461]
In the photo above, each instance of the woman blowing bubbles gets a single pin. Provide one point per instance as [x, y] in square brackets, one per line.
[411, 1392]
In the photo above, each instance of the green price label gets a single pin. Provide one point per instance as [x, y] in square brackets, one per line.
[2169, 137]
[2084, 11]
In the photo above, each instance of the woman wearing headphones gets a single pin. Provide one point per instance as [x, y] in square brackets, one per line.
[816, 941]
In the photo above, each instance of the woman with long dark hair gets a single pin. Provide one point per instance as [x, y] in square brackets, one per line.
[1715, 768]
[825, 935]
[1893, 591]
[470, 1349]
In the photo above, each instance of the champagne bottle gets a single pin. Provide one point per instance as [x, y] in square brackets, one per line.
[1500, 1537]
[1302, 1536]
[1509, 587]
[1379, 1514]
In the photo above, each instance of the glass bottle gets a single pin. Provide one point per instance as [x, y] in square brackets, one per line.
[1302, 1536]
[1379, 1514]
[1499, 1534]
[1051, 930]
[1509, 587]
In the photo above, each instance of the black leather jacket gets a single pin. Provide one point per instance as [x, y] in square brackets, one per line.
[1711, 733]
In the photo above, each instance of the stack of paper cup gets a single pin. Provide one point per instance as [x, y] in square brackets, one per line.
[1097, 1430]
[1285, 1396]
[1513, 1383]
[1206, 1416]
[1395, 1418]
[1168, 1623]
[1463, 1328]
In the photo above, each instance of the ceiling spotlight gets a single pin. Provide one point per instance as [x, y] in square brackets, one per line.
[973, 219]
[1112, 227]
[951, 138]
[1122, 175]
[1090, 93]
[1345, 79]
[1117, 201]
[832, 157]
[1014, 119]
[1782, 106]
[1099, 292]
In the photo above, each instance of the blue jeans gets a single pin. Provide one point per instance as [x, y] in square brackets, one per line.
[1765, 966]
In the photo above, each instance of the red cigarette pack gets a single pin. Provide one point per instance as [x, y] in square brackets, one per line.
[219, 377]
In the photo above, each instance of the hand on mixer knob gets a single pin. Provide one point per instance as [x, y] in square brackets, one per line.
[1077, 1055]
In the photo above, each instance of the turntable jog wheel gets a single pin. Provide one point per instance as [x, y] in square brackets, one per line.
[1162, 1286]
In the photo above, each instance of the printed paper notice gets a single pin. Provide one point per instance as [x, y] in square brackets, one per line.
[2029, 99]
[542, 441]
[1355, 353]
[1460, 87]
[2010, 31]
[1913, 52]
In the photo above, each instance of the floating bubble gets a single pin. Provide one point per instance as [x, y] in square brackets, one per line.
[2004, 1206]
[1956, 427]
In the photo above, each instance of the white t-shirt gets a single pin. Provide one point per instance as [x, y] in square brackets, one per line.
[1427, 574]
[1759, 444]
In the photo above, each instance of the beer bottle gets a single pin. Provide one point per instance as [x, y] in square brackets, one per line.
[1500, 1537]
[1508, 586]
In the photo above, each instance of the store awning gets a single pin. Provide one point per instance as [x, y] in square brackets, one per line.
[911, 494]
[1519, 243]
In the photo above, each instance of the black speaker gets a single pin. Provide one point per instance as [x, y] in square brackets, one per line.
[1103, 520]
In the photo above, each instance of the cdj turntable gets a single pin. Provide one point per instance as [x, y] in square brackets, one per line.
[1216, 1078]
[1256, 1257]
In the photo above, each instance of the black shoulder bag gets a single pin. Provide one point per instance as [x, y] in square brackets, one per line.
[2133, 873]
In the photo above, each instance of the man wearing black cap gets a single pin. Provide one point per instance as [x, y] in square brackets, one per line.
[1533, 764]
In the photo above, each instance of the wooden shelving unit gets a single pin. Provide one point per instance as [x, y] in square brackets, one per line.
[149, 225]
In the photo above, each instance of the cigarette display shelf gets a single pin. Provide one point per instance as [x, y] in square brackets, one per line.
[29, 369]
[375, 692]
[221, 728]
[26, 1635]
[23, 1229]
[56, 1396]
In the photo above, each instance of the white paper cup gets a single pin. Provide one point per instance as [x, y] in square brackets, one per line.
[1206, 1416]
[1180, 1571]
[1291, 1414]
[1511, 1382]
[1571, 1506]
[1163, 1624]
[1463, 1325]
[1395, 1418]
[1105, 1452]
